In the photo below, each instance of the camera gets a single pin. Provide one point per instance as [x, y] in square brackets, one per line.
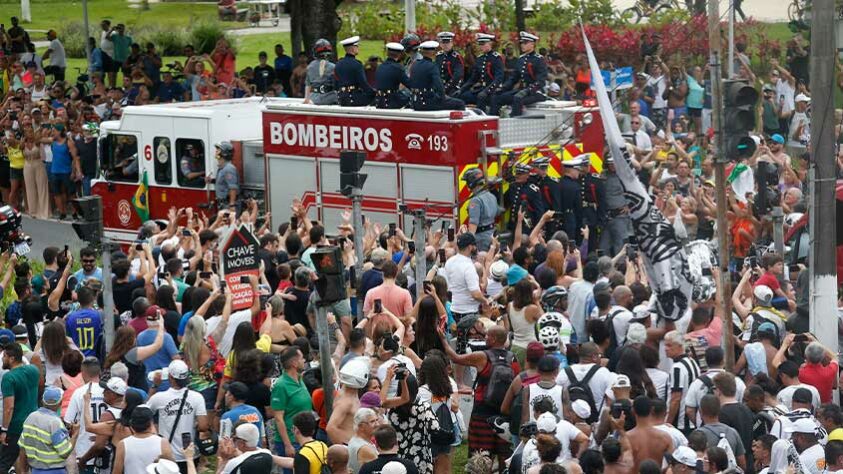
[400, 371]
[11, 235]
[621, 407]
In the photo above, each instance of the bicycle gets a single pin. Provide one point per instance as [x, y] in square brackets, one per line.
[796, 10]
[645, 9]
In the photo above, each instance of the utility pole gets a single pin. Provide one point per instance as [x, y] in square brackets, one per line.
[731, 67]
[410, 16]
[520, 20]
[357, 225]
[778, 230]
[720, 174]
[25, 11]
[107, 296]
[822, 214]
[419, 218]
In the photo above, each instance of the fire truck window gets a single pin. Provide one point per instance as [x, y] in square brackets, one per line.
[123, 151]
[191, 154]
[163, 163]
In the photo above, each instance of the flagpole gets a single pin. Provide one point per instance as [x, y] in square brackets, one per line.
[715, 69]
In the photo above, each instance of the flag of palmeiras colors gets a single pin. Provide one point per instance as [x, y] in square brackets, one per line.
[665, 261]
[141, 199]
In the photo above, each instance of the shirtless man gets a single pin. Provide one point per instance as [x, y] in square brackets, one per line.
[354, 375]
[645, 440]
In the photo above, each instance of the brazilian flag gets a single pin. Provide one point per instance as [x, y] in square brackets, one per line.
[141, 199]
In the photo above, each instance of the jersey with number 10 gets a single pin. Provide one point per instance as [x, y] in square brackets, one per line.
[84, 326]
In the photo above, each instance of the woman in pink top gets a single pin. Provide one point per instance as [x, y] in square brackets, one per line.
[224, 62]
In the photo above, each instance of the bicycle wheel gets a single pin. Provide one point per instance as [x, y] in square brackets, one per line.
[632, 15]
[794, 11]
[664, 8]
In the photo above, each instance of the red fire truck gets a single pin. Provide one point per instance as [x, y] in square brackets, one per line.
[286, 150]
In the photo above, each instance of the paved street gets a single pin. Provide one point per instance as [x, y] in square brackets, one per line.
[50, 232]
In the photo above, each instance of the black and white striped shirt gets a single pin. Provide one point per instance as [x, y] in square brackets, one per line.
[685, 370]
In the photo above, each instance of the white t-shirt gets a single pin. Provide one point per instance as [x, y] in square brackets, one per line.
[167, 404]
[799, 118]
[621, 318]
[57, 56]
[462, 280]
[224, 346]
[783, 88]
[678, 438]
[659, 84]
[660, 380]
[599, 383]
[697, 390]
[232, 463]
[813, 459]
[565, 433]
[642, 140]
[74, 414]
[393, 387]
[785, 395]
[554, 392]
[106, 45]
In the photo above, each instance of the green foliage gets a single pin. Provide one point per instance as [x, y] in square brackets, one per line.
[441, 15]
[495, 15]
[374, 19]
[594, 12]
[72, 35]
[167, 41]
[673, 15]
[549, 16]
[204, 36]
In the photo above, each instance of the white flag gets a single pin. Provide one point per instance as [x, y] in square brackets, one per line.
[664, 258]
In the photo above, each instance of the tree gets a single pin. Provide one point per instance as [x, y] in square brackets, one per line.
[311, 20]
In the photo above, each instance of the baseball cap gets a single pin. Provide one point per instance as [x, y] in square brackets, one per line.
[548, 364]
[466, 239]
[535, 351]
[802, 395]
[802, 425]
[370, 400]
[248, 433]
[238, 390]
[622, 381]
[802, 98]
[515, 274]
[546, 423]
[394, 467]
[178, 370]
[581, 408]
[836, 435]
[152, 313]
[20, 331]
[777, 138]
[115, 384]
[683, 455]
[52, 396]
[763, 294]
[6, 337]
[767, 327]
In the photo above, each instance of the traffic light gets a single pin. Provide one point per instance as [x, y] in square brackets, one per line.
[738, 119]
[350, 176]
[329, 267]
[89, 226]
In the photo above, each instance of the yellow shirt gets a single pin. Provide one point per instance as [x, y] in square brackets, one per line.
[16, 159]
[263, 344]
[316, 452]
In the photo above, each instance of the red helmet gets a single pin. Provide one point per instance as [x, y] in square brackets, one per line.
[322, 47]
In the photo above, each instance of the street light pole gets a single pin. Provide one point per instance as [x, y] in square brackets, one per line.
[87, 33]
[410, 16]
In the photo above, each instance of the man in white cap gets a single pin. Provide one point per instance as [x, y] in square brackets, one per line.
[799, 133]
[450, 63]
[181, 411]
[354, 375]
[242, 454]
[349, 77]
[526, 85]
[426, 88]
[45, 442]
[487, 75]
[682, 460]
[762, 312]
[388, 79]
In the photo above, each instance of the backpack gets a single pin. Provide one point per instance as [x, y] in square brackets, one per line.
[723, 444]
[709, 384]
[757, 320]
[444, 435]
[500, 377]
[579, 390]
[323, 459]
[517, 407]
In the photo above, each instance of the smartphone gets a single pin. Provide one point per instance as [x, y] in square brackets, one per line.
[363, 219]
[245, 279]
[139, 247]
[753, 262]
[450, 234]
[444, 224]
[411, 246]
[185, 233]
[204, 275]
[427, 285]
[392, 228]
[263, 300]
[378, 306]
[66, 250]
[294, 222]
[442, 256]
[558, 215]
[222, 285]
[186, 438]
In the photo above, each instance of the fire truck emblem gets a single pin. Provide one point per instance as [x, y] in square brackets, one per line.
[414, 141]
[124, 211]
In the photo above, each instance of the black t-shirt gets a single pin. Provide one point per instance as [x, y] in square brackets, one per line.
[87, 152]
[741, 418]
[269, 264]
[377, 465]
[296, 311]
[123, 293]
[259, 397]
[264, 77]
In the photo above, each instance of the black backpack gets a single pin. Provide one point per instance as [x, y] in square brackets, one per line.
[500, 377]
[758, 320]
[579, 390]
[517, 407]
[444, 435]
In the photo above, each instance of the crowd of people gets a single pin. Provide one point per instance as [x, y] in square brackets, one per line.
[541, 348]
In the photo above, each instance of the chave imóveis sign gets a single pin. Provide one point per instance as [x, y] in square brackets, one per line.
[240, 259]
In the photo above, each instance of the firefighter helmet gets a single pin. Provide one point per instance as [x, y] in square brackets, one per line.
[473, 177]
[410, 42]
[322, 48]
